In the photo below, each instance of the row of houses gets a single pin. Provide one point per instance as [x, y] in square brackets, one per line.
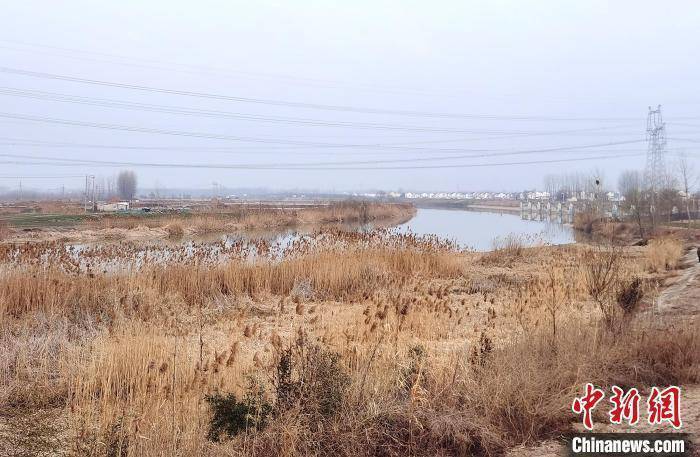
[459, 195]
[526, 195]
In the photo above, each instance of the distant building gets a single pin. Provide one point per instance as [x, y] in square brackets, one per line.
[113, 207]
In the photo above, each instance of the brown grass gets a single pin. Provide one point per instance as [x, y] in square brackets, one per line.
[505, 251]
[175, 229]
[332, 275]
[236, 217]
[438, 352]
[663, 254]
[4, 230]
[519, 394]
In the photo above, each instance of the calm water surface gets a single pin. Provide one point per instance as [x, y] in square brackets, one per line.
[478, 230]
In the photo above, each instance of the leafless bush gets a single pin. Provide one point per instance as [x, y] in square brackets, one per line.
[585, 221]
[601, 269]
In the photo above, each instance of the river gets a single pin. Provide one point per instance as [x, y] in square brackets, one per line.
[478, 230]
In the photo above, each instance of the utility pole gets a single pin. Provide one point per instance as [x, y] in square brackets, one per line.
[89, 189]
[94, 202]
[655, 171]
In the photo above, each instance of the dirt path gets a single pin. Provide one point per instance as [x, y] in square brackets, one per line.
[682, 297]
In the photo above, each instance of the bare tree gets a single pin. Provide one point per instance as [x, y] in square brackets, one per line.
[687, 176]
[630, 185]
[126, 184]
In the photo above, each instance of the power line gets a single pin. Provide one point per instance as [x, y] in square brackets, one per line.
[180, 110]
[137, 129]
[354, 162]
[16, 142]
[200, 69]
[316, 168]
[336, 163]
[162, 131]
[289, 104]
[689, 140]
[148, 63]
[110, 103]
[41, 177]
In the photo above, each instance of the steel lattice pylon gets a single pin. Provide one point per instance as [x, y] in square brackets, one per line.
[655, 172]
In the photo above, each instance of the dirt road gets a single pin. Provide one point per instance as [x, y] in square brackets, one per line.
[682, 297]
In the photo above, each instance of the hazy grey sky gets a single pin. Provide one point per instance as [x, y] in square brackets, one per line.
[364, 85]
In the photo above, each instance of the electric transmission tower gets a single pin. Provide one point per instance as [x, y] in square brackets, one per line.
[655, 172]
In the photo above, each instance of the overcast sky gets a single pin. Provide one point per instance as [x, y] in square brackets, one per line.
[373, 94]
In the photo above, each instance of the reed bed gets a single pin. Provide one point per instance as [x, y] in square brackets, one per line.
[130, 255]
[236, 217]
[372, 343]
[339, 266]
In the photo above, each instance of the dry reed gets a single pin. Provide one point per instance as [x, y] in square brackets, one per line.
[441, 353]
[237, 217]
[663, 254]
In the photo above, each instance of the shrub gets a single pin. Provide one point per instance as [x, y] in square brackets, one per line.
[175, 229]
[584, 221]
[231, 416]
[411, 375]
[481, 352]
[310, 379]
[308, 382]
[630, 295]
[601, 268]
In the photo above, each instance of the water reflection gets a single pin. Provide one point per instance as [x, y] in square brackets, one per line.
[478, 230]
[469, 229]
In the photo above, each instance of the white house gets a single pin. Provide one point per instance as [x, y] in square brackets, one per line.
[112, 207]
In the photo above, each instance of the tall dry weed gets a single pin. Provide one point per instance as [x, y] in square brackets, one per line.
[663, 254]
[4, 230]
[518, 394]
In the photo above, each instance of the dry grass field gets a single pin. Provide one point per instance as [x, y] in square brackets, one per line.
[344, 344]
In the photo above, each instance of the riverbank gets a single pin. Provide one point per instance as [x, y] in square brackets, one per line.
[142, 226]
[497, 206]
[628, 232]
[351, 343]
